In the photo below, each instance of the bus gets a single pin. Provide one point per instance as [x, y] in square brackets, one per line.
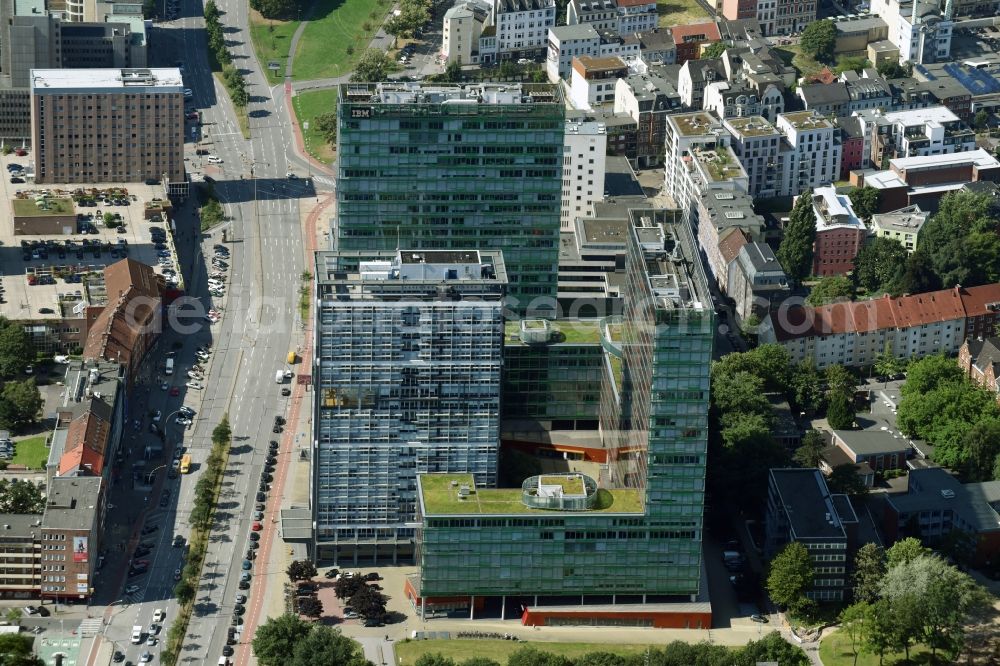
[185, 463]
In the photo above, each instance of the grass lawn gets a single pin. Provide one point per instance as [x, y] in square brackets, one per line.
[271, 40]
[835, 650]
[680, 12]
[308, 105]
[31, 452]
[804, 64]
[409, 651]
[336, 26]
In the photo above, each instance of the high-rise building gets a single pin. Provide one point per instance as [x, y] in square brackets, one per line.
[584, 154]
[437, 167]
[409, 347]
[630, 534]
[107, 125]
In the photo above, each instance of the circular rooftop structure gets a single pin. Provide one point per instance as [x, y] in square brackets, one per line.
[560, 492]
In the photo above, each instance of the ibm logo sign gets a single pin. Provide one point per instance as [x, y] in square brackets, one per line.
[364, 112]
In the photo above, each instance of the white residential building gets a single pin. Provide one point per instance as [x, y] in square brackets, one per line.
[463, 25]
[933, 130]
[625, 17]
[902, 225]
[919, 28]
[571, 41]
[759, 145]
[813, 156]
[522, 27]
[698, 159]
[584, 152]
[592, 83]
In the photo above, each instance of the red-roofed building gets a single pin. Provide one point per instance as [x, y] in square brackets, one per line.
[854, 334]
[690, 38]
[130, 323]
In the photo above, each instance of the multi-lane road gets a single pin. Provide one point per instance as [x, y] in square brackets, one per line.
[259, 327]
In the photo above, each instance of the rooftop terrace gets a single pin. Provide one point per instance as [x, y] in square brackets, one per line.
[752, 126]
[439, 497]
[568, 331]
[695, 124]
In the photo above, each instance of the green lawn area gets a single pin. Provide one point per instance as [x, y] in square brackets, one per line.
[409, 651]
[52, 206]
[680, 12]
[31, 452]
[805, 64]
[336, 26]
[308, 105]
[271, 40]
[441, 498]
[835, 650]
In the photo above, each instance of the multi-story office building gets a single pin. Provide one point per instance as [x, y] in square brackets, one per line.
[570, 41]
[107, 125]
[408, 353]
[455, 167]
[584, 154]
[634, 535]
[72, 530]
[813, 156]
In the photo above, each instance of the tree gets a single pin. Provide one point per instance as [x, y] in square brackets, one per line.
[310, 606]
[879, 633]
[869, 569]
[852, 623]
[435, 659]
[980, 119]
[453, 72]
[13, 615]
[840, 413]
[326, 124]
[273, 8]
[15, 649]
[791, 576]
[879, 265]
[412, 16]
[944, 416]
[930, 372]
[904, 551]
[20, 497]
[961, 240]
[20, 403]
[211, 12]
[841, 380]
[529, 656]
[184, 591]
[110, 221]
[850, 64]
[508, 70]
[368, 602]
[277, 638]
[770, 362]
[301, 570]
[771, 649]
[796, 250]
[918, 275]
[806, 393]
[888, 364]
[345, 587]
[222, 433]
[810, 453]
[16, 351]
[982, 446]
[740, 393]
[844, 479]
[715, 50]
[818, 39]
[891, 69]
[372, 66]
[831, 289]
[865, 201]
[485, 661]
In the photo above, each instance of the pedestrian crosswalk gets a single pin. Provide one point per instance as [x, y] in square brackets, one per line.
[91, 626]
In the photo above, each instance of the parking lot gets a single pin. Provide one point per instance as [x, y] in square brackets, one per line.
[82, 229]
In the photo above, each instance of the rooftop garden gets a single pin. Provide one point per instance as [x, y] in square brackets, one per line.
[572, 331]
[571, 484]
[440, 497]
[43, 208]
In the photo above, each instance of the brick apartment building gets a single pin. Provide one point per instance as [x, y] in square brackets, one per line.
[979, 358]
[107, 125]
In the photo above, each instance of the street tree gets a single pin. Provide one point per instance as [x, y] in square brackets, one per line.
[805, 388]
[301, 570]
[368, 602]
[20, 404]
[791, 575]
[888, 364]
[211, 11]
[326, 124]
[13, 615]
[831, 289]
[739, 393]
[373, 65]
[276, 639]
[869, 569]
[16, 351]
[310, 606]
[770, 362]
[811, 451]
[346, 586]
[818, 39]
[184, 591]
[796, 250]
[328, 646]
[841, 380]
[879, 265]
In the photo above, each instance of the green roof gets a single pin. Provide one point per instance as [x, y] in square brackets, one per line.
[571, 331]
[752, 126]
[694, 124]
[56, 206]
[439, 497]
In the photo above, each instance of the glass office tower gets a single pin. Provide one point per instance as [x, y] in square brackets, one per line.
[637, 535]
[440, 166]
[409, 348]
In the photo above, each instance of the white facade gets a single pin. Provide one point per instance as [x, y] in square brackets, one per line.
[918, 28]
[814, 157]
[463, 24]
[565, 43]
[636, 16]
[592, 81]
[726, 101]
[523, 25]
[626, 17]
[698, 159]
[584, 163]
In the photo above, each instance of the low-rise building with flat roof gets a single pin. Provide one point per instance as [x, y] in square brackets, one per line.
[902, 225]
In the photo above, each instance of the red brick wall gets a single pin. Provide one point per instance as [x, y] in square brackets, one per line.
[953, 174]
[851, 156]
[538, 617]
[835, 249]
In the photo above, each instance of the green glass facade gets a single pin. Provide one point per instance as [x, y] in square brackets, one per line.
[654, 421]
[445, 167]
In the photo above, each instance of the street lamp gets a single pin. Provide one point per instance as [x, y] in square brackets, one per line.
[151, 476]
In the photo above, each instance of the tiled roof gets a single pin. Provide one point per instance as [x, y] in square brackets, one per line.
[886, 312]
[116, 330]
[710, 30]
[87, 440]
[984, 353]
[731, 241]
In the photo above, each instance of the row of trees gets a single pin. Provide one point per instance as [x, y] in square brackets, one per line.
[908, 595]
[232, 77]
[961, 419]
[412, 16]
[770, 649]
[362, 597]
[20, 399]
[741, 418]
[288, 640]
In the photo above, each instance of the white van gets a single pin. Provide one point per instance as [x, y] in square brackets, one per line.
[136, 634]
[169, 367]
